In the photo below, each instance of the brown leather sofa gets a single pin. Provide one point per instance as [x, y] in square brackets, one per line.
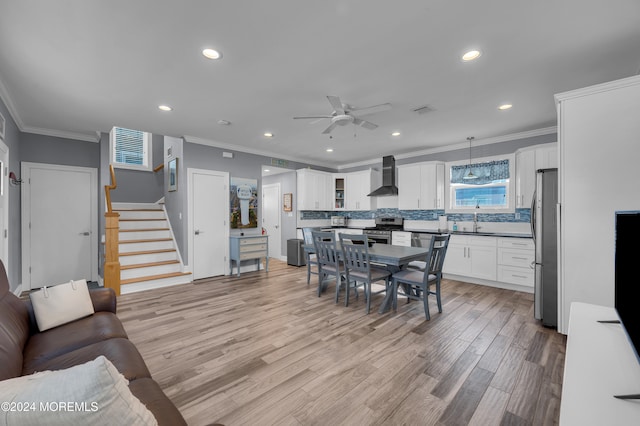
[24, 350]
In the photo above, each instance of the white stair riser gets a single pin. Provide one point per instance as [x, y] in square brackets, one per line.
[148, 258]
[155, 245]
[126, 274]
[116, 206]
[138, 214]
[148, 285]
[144, 235]
[143, 224]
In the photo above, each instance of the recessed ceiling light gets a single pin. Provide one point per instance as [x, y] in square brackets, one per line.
[329, 149]
[395, 134]
[505, 107]
[268, 134]
[471, 55]
[165, 108]
[224, 122]
[212, 54]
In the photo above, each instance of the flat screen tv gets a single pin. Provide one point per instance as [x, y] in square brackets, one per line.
[627, 277]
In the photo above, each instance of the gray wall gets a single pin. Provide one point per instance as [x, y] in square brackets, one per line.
[14, 256]
[288, 222]
[176, 202]
[137, 186]
[53, 150]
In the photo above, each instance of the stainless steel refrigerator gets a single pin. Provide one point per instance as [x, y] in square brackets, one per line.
[544, 227]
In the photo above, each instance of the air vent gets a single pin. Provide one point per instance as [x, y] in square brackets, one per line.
[423, 109]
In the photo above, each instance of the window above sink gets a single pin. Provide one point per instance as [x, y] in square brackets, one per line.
[491, 189]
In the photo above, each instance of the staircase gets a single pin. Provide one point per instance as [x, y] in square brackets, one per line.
[147, 250]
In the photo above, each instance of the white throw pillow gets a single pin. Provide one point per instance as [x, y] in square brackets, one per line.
[60, 304]
[94, 393]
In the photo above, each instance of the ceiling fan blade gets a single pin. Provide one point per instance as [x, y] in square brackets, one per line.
[336, 103]
[330, 128]
[371, 110]
[312, 116]
[366, 124]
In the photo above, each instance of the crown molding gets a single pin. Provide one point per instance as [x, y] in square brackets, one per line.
[598, 88]
[461, 145]
[13, 111]
[61, 134]
[238, 148]
[4, 95]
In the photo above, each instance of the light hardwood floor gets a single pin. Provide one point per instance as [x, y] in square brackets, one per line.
[263, 349]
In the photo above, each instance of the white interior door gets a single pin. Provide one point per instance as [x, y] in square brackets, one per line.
[271, 218]
[59, 224]
[4, 203]
[208, 224]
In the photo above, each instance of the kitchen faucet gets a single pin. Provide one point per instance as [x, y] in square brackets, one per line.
[475, 220]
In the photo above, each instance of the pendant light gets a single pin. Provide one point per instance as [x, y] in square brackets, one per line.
[470, 175]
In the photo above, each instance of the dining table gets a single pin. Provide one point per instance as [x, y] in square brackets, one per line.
[394, 258]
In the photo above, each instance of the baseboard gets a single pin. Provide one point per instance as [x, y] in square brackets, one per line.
[18, 290]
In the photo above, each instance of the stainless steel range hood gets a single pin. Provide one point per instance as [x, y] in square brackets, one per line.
[388, 178]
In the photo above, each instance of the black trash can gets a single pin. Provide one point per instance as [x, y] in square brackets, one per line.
[295, 252]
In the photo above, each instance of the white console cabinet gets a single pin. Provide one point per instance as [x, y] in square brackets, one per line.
[599, 364]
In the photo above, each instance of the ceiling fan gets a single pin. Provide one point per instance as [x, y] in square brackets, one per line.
[344, 114]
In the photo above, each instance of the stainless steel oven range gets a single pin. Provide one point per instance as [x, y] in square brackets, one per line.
[381, 234]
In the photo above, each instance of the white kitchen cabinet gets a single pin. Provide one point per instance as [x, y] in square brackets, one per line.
[528, 161]
[516, 257]
[547, 156]
[358, 185]
[421, 186]
[525, 177]
[314, 190]
[401, 238]
[338, 191]
[472, 256]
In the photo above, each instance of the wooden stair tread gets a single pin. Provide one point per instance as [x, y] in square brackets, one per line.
[137, 210]
[154, 240]
[153, 277]
[144, 230]
[134, 253]
[149, 264]
[139, 220]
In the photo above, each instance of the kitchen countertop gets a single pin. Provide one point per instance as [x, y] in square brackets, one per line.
[480, 233]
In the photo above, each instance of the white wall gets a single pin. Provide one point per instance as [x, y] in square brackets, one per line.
[599, 143]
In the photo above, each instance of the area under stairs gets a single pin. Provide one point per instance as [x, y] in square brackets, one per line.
[148, 253]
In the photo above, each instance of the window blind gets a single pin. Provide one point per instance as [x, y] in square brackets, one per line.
[129, 147]
[487, 172]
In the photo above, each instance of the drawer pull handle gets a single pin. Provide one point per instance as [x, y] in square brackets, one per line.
[518, 276]
[519, 258]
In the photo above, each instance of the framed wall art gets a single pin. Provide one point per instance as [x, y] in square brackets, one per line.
[287, 202]
[244, 203]
[173, 175]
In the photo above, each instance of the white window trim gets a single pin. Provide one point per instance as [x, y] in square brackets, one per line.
[148, 144]
[511, 188]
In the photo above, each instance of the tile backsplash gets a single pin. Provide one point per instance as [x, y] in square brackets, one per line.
[520, 215]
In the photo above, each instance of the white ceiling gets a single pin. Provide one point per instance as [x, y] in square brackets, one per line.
[74, 67]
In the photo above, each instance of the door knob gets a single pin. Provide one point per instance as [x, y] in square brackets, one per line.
[85, 233]
[198, 232]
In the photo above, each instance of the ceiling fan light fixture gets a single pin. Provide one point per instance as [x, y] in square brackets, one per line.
[471, 55]
[211, 54]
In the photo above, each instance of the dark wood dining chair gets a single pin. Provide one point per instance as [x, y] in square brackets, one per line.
[416, 283]
[328, 259]
[358, 268]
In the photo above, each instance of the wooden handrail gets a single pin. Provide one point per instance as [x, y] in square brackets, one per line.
[108, 188]
[111, 270]
[158, 167]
